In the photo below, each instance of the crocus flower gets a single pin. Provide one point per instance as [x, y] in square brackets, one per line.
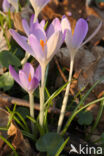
[38, 5]
[27, 77]
[40, 44]
[29, 28]
[11, 5]
[75, 41]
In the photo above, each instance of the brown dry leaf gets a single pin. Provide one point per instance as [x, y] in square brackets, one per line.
[18, 141]
[15, 136]
[64, 58]
[3, 43]
[17, 20]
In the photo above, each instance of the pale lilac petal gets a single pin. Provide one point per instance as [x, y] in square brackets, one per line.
[14, 74]
[23, 79]
[68, 39]
[25, 26]
[28, 69]
[33, 84]
[39, 4]
[38, 73]
[54, 44]
[39, 32]
[80, 32]
[42, 3]
[38, 52]
[54, 27]
[21, 41]
[32, 20]
[14, 3]
[5, 6]
[65, 24]
[42, 23]
[92, 35]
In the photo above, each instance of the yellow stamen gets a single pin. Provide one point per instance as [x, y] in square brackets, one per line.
[42, 43]
[29, 78]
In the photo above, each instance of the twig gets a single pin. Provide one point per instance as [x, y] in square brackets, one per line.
[23, 103]
[61, 72]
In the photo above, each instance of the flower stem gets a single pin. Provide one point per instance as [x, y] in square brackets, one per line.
[41, 117]
[65, 100]
[24, 60]
[31, 100]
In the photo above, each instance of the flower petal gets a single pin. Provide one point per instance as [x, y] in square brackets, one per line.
[14, 74]
[14, 3]
[38, 4]
[65, 24]
[54, 27]
[42, 23]
[21, 41]
[25, 26]
[33, 84]
[80, 32]
[28, 69]
[38, 52]
[53, 44]
[24, 80]
[68, 39]
[93, 34]
[38, 73]
[5, 6]
[39, 32]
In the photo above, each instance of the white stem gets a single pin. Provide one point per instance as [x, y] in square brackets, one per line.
[65, 100]
[31, 100]
[41, 117]
[24, 60]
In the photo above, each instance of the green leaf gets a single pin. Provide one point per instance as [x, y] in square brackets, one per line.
[6, 58]
[6, 81]
[85, 118]
[23, 111]
[62, 147]
[9, 144]
[50, 143]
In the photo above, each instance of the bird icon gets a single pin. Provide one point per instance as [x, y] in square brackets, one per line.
[73, 149]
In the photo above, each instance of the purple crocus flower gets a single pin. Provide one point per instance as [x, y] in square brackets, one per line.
[40, 44]
[75, 41]
[7, 6]
[27, 77]
[38, 5]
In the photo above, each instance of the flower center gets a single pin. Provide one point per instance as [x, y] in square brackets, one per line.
[29, 78]
[42, 43]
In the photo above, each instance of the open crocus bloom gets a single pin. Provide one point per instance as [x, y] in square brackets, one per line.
[40, 44]
[29, 28]
[27, 77]
[75, 41]
[11, 5]
[38, 5]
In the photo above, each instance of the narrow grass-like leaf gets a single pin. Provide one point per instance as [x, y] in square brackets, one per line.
[27, 134]
[76, 111]
[62, 147]
[22, 119]
[9, 144]
[56, 93]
